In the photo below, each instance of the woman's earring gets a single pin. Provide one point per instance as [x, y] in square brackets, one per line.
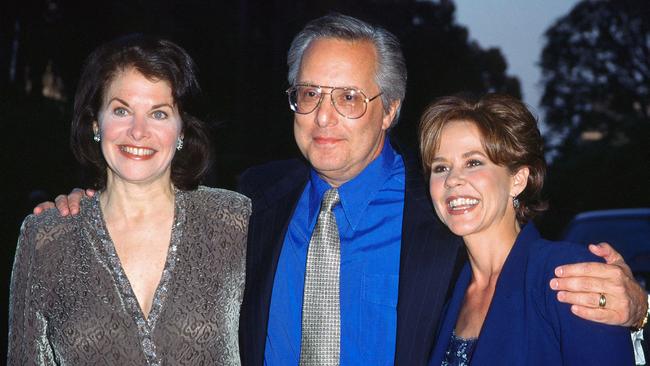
[179, 144]
[97, 137]
[515, 202]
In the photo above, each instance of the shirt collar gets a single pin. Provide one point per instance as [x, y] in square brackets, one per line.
[357, 193]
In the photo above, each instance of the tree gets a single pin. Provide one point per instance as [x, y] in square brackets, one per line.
[442, 60]
[596, 67]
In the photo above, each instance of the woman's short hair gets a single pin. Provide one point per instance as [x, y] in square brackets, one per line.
[156, 59]
[510, 137]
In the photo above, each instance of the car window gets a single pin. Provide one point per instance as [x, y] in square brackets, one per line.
[629, 235]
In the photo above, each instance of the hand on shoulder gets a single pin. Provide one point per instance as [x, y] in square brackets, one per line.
[583, 284]
[66, 204]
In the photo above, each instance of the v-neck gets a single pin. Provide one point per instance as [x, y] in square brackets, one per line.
[144, 325]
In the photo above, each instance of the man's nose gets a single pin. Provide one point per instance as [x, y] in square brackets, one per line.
[326, 114]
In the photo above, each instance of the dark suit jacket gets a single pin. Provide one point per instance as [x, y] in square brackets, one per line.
[526, 324]
[429, 258]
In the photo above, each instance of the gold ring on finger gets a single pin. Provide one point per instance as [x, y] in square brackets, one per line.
[602, 301]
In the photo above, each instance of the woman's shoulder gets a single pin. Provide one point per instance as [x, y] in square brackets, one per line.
[219, 197]
[49, 225]
[542, 256]
[546, 255]
[46, 234]
[555, 253]
[215, 214]
[217, 201]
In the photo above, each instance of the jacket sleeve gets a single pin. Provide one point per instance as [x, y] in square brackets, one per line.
[27, 341]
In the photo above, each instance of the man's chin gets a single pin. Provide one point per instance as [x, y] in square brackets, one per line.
[328, 169]
[326, 162]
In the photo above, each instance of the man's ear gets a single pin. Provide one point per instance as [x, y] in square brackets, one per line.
[390, 116]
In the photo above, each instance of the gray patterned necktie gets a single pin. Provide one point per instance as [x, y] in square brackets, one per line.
[321, 316]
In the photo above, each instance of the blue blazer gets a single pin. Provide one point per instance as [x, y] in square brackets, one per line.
[429, 258]
[525, 324]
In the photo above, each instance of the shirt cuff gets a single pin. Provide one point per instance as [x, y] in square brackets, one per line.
[637, 340]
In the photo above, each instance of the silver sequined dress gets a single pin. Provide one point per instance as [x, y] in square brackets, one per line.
[71, 303]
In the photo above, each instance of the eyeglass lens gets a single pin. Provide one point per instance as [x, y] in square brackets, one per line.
[350, 103]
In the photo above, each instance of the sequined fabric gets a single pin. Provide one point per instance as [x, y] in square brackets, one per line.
[460, 351]
[71, 303]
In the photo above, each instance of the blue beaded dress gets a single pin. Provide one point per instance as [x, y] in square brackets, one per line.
[460, 351]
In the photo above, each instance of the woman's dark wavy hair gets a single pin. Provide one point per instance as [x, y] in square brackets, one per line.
[156, 59]
[510, 139]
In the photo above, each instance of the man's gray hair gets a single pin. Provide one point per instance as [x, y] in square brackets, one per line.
[391, 67]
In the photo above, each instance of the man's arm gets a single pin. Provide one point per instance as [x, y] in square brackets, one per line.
[65, 204]
[582, 284]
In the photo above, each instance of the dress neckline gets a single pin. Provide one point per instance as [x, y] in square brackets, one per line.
[459, 351]
[462, 339]
[144, 325]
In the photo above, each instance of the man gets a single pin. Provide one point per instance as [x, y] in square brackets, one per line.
[394, 261]
[392, 245]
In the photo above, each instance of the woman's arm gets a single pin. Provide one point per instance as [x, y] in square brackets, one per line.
[27, 326]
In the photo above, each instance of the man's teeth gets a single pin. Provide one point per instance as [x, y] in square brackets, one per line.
[140, 151]
[462, 202]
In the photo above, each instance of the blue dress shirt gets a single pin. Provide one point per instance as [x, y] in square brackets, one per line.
[369, 218]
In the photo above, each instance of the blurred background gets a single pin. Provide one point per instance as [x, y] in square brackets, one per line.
[582, 66]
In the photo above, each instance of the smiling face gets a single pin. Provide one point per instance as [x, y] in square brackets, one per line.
[139, 125]
[471, 194]
[340, 148]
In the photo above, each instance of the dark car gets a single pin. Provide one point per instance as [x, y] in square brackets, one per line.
[627, 230]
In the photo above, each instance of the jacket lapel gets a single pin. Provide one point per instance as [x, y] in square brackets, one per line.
[450, 315]
[504, 327]
[429, 261]
[273, 207]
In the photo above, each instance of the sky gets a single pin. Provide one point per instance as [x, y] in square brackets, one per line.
[516, 27]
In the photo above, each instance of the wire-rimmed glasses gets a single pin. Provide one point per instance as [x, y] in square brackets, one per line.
[348, 102]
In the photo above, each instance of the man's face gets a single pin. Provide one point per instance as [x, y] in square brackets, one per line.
[340, 148]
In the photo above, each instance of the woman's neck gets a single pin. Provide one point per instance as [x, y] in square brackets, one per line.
[488, 251]
[132, 202]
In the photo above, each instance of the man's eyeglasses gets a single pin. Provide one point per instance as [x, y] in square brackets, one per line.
[349, 102]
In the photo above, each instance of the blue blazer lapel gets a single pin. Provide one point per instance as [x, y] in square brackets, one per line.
[504, 327]
[429, 261]
[450, 315]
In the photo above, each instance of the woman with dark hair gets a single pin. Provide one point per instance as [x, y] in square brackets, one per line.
[152, 270]
[486, 165]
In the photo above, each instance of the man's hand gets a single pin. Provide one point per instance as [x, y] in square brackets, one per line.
[65, 204]
[581, 285]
